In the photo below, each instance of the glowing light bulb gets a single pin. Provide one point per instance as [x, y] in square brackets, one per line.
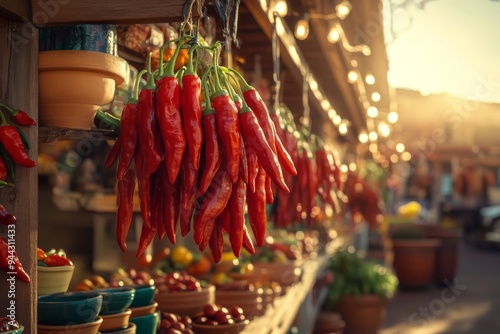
[363, 137]
[406, 156]
[372, 112]
[375, 96]
[337, 120]
[281, 8]
[302, 29]
[384, 129]
[343, 9]
[373, 136]
[400, 147]
[392, 117]
[394, 158]
[369, 79]
[343, 129]
[352, 76]
[333, 35]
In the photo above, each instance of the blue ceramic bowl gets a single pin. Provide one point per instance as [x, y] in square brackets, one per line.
[69, 308]
[116, 300]
[144, 295]
[146, 324]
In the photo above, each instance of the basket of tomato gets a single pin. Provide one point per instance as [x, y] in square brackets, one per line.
[55, 271]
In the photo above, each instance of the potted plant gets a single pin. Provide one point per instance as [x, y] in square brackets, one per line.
[359, 292]
[414, 256]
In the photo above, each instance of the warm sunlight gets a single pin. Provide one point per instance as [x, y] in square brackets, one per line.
[449, 47]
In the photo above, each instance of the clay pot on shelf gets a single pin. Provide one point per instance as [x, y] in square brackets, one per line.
[329, 322]
[74, 84]
[415, 261]
[363, 314]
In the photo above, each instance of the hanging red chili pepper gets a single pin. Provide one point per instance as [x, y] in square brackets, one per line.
[253, 136]
[236, 206]
[170, 203]
[11, 140]
[125, 207]
[192, 111]
[256, 203]
[113, 154]
[168, 113]
[213, 202]
[228, 129]
[212, 151]
[147, 126]
[19, 116]
[217, 241]
[9, 262]
[144, 190]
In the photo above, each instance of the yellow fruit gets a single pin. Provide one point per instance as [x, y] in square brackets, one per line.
[228, 257]
[181, 256]
[220, 278]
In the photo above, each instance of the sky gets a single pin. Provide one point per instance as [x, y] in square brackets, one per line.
[452, 46]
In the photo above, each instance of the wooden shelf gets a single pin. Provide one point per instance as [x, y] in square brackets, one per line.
[48, 134]
[280, 318]
[108, 11]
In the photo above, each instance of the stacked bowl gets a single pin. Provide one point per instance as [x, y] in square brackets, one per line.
[69, 312]
[143, 310]
[115, 311]
[185, 302]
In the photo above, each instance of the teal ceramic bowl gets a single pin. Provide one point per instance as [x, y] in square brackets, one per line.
[116, 300]
[146, 324]
[15, 331]
[69, 308]
[144, 295]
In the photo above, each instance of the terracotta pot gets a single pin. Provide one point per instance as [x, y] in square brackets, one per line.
[74, 84]
[414, 261]
[329, 322]
[363, 314]
[447, 255]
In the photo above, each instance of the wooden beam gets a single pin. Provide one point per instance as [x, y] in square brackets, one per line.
[19, 89]
[61, 12]
[15, 10]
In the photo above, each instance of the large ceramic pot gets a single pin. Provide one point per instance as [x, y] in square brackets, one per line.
[362, 314]
[74, 84]
[446, 255]
[415, 261]
[329, 322]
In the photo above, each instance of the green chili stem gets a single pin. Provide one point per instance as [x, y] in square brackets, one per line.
[169, 70]
[218, 86]
[2, 119]
[205, 85]
[136, 85]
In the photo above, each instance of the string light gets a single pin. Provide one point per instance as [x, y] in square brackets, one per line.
[281, 8]
[392, 117]
[363, 137]
[352, 76]
[372, 112]
[373, 136]
[333, 35]
[343, 129]
[400, 147]
[375, 97]
[343, 9]
[369, 79]
[384, 129]
[302, 27]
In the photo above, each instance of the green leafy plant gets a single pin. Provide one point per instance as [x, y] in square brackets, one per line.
[408, 231]
[354, 276]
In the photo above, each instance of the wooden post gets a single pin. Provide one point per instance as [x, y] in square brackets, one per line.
[19, 89]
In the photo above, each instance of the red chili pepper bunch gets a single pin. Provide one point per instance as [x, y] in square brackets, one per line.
[9, 261]
[13, 144]
[362, 198]
[318, 176]
[198, 164]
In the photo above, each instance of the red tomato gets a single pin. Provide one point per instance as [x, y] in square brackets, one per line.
[55, 260]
